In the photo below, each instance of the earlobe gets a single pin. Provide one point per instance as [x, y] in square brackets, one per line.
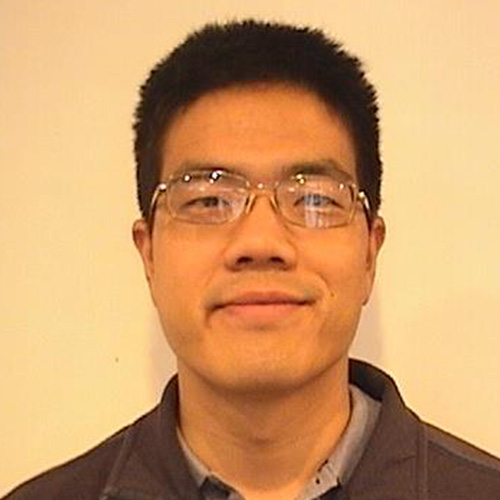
[376, 240]
[142, 240]
[378, 231]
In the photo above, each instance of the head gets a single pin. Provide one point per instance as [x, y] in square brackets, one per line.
[235, 54]
[257, 303]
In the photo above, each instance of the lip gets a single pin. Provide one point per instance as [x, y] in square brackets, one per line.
[263, 298]
[261, 309]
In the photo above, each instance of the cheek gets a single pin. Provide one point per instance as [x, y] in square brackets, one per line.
[175, 272]
[174, 290]
[342, 266]
[183, 265]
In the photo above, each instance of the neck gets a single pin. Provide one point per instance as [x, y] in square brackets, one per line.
[266, 446]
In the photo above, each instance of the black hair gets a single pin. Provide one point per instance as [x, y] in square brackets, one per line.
[238, 53]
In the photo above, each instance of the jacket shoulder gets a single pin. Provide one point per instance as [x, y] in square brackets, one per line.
[84, 477]
[458, 469]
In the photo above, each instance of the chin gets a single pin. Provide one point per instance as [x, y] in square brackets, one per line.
[265, 377]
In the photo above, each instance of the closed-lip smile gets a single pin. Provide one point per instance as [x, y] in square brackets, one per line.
[262, 298]
[261, 307]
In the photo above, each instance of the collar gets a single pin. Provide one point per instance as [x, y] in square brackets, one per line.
[335, 469]
[152, 466]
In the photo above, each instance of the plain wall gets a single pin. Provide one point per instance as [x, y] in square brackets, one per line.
[81, 353]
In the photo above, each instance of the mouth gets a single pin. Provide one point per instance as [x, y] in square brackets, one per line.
[262, 307]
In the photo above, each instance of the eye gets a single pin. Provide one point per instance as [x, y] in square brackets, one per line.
[316, 200]
[206, 202]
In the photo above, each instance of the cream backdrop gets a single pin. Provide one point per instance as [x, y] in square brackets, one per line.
[81, 353]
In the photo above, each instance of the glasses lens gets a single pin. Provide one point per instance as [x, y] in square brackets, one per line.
[211, 197]
[316, 201]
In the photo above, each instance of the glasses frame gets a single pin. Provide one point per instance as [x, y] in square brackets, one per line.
[255, 190]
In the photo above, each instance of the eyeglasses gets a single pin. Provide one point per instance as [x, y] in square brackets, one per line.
[312, 200]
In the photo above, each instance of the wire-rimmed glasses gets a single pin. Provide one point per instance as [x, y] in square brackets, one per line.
[217, 196]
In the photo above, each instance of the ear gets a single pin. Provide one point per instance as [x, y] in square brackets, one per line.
[142, 236]
[376, 238]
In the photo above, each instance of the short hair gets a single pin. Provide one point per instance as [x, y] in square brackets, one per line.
[247, 52]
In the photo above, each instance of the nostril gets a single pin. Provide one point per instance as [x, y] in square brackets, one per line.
[244, 260]
[247, 262]
[276, 260]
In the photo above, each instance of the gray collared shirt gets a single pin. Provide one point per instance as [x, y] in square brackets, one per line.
[335, 470]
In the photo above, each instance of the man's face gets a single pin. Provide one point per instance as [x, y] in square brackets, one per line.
[258, 303]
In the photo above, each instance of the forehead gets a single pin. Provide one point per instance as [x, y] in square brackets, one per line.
[259, 130]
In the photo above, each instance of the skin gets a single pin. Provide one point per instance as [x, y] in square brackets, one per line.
[263, 388]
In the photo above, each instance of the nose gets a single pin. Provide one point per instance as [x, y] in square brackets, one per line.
[261, 240]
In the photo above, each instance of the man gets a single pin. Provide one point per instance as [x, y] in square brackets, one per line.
[259, 173]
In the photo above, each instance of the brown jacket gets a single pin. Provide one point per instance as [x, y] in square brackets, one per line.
[405, 459]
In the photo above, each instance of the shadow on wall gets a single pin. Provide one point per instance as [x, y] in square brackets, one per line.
[162, 360]
[367, 345]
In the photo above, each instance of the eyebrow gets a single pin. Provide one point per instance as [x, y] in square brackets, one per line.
[326, 166]
[191, 166]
